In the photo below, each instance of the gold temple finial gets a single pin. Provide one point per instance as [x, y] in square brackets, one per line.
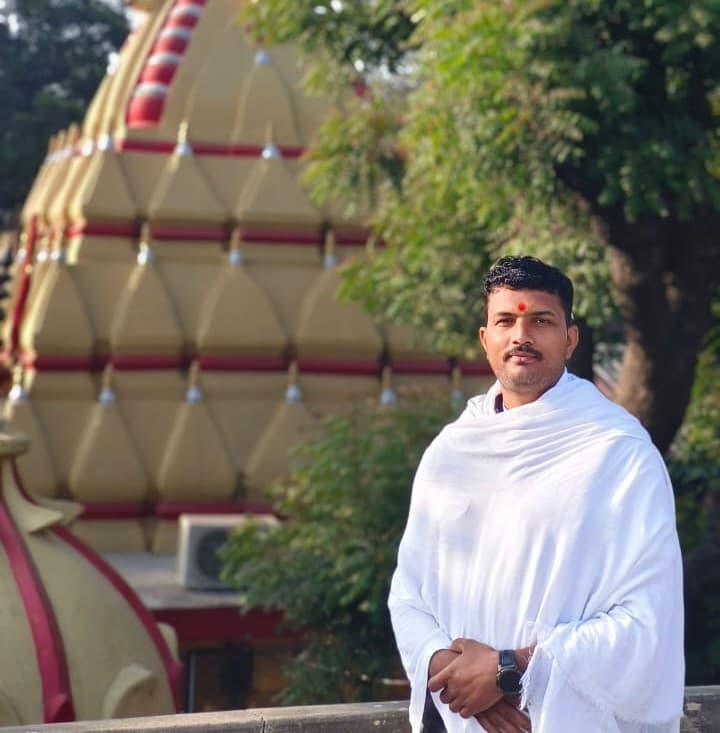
[107, 394]
[270, 151]
[387, 393]
[17, 391]
[329, 255]
[145, 254]
[182, 147]
[105, 142]
[145, 233]
[194, 394]
[292, 391]
[235, 257]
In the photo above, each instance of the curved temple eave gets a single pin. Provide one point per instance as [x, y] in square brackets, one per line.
[49, 650]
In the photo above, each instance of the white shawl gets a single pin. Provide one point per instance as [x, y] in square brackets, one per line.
[552, 523]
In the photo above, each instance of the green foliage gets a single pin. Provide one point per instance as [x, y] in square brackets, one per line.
[694, 464]
[352, 34]
[546, 127]
[328, 565]
[694, 457]
[50, 67]
[510, 126]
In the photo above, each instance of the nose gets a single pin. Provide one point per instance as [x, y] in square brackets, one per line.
[522, 333]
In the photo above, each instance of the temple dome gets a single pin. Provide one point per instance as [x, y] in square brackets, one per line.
[97, 652]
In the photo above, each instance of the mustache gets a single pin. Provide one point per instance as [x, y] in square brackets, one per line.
[520, 350]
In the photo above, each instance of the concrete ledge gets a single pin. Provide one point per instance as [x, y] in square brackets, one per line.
[702, 710]
[702, 715]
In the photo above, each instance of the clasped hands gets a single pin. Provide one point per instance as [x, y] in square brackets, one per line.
[464, 674]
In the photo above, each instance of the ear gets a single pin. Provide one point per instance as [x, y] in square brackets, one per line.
[573, 336]
[482, 331]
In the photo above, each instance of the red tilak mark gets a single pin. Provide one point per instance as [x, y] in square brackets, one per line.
[521, 306]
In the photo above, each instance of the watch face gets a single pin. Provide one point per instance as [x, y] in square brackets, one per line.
[508, 680]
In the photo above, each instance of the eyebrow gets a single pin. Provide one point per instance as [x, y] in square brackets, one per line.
[502, 314]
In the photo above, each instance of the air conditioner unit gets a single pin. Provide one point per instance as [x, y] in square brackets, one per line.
[199, 539]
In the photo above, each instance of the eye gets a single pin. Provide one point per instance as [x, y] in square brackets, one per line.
[543, 321]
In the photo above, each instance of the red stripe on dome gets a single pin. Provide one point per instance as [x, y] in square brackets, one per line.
[182, 21]
[242, 363]
[173, 669]
[165, 232]
[64, 363]
[344, 367]
[143, 362]
[172, 510]
[116, 510]
[475, 368]
[145, 109]
[103, 229]
[49, 651]
[420, 366]
[238, 150]
[280, 236]
[253, 235]
[100, 511]
[171, 43]
[161, 73]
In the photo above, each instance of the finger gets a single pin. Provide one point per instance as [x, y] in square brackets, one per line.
[457, 645]
[487, 724]
[509, 718]
[510, 712]
[496, 722]
[446, 697]
[438, 681]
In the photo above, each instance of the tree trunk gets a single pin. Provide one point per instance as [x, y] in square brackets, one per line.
[664, 274]
[581, 362]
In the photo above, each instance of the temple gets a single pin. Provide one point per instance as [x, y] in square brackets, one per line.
[172, 329]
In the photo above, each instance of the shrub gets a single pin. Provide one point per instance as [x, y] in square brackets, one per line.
[328, 565]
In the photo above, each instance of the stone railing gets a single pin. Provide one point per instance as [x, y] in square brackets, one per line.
[702, 715]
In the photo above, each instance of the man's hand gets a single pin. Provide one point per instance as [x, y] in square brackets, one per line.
[468, 681]
[439, 660]
[504, 717]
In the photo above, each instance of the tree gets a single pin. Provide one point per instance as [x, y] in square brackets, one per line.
[585, 131]
[53, 55]
[694, 463]
[328, 565]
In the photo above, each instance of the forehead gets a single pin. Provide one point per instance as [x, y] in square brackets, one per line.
[504, 300]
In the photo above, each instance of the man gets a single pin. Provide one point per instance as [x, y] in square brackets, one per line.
[538, 584]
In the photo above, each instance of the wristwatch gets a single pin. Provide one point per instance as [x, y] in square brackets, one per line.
[508, 674]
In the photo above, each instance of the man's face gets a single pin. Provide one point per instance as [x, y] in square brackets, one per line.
[527, 342]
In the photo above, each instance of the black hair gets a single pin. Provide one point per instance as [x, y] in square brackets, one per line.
[529, 273]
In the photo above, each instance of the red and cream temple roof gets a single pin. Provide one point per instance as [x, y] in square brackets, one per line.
[173, 326]
[77, 643]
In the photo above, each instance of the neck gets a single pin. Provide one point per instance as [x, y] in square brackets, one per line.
[516, 399]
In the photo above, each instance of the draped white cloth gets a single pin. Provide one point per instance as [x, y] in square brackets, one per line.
[553, 523]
